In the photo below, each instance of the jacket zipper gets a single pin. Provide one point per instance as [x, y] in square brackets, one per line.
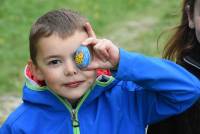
[74, 112]
[75, 122]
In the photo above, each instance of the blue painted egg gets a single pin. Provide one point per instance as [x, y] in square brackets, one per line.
[82, 57]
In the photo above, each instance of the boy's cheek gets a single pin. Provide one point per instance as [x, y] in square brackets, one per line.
[90, 74]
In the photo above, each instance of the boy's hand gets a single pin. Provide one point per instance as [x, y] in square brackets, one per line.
[104, 53]
[89, 30]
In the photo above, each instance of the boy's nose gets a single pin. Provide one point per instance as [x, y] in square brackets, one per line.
[70, 68]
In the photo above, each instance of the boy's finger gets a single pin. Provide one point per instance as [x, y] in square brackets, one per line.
[89, 30]
[91, 66]
[90, 41]
[100, 50]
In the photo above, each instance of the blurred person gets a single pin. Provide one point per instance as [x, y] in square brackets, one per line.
[184, 48]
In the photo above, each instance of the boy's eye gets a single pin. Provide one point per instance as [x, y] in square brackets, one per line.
[54, 62]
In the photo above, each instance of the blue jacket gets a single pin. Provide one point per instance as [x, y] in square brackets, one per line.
[142, 90]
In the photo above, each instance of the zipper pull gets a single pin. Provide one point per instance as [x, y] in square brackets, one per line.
[75, 122]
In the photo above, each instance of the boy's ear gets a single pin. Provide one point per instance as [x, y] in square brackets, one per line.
[36, 72]
[190, 17]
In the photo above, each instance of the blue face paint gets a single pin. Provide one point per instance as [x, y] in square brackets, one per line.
[82, 57]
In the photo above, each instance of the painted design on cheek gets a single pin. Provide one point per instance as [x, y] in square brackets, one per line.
[82, 57]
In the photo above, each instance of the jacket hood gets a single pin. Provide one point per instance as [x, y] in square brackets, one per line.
[37, 93]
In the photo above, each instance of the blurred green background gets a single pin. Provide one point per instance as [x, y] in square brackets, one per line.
[132, 24]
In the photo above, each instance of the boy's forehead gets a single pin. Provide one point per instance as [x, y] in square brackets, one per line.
[56, 42]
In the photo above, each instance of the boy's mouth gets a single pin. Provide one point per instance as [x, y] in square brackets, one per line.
[73, 84]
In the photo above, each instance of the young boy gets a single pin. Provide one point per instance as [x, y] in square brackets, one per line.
[142, 90]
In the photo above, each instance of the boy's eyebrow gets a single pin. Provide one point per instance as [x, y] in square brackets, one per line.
[52, 56]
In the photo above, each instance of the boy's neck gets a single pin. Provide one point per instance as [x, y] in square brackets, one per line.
[74, 102]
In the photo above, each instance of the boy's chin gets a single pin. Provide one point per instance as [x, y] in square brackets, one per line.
[74, 97]
[73, 100]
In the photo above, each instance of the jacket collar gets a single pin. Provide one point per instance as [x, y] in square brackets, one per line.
[192, 62]
[37, 94]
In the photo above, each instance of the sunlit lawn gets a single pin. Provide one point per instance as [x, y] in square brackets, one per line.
[16, 18]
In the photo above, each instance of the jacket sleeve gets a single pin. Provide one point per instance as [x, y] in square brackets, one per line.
[11, 124]
[163, 87]
[6, 129]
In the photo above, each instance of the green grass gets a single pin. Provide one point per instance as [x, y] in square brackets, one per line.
[16, 18]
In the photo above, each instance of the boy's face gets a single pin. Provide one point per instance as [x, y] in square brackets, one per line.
[55, 65]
